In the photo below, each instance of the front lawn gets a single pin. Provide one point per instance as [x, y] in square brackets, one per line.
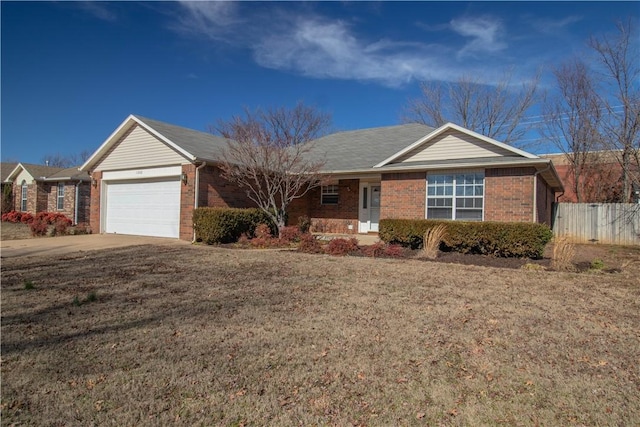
[210, 336]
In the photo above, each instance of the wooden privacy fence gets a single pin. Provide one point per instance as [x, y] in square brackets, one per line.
[612, 223]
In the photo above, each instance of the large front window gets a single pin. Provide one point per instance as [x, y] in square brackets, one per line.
[60, 195]
[455, 196]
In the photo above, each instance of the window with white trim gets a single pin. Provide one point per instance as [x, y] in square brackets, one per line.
[329, 195]
[60, 196]
[23, 197]
[455, 196]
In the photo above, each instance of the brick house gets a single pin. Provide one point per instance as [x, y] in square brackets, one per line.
[148, 176]
[415, 171]
[38, 188]
[600, 180]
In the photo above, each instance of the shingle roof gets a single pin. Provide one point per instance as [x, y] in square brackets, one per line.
[38, 172]
[202, 145]
[363, 149]
[5, 169]
[69, 174]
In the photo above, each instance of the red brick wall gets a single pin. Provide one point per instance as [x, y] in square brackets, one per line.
[32, 197]
[544, 201]
[403, 195]
[187, 201]
[508, 194]
[217, 192]
[94, 209]
[329, 218]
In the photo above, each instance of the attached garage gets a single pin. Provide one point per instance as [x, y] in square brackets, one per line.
[144, 208]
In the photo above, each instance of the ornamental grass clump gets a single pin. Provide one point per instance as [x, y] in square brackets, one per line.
[432, 239]
[563, 252]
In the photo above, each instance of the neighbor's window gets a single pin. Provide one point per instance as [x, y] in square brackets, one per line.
[455, 196]
[23, 197]
[60, 195]
[329, 195]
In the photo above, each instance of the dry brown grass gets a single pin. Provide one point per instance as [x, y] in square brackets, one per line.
[432, 239]
[564, 251]
[209, 336]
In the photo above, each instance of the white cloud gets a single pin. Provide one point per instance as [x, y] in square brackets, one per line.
[99, 9]
[216, 19]
[310, 45]
[484, 31]
[330, 50]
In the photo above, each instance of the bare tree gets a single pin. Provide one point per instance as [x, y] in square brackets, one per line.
[494, 110]
[58, 160]
[267, 155]
[619, 57]
[573, 118]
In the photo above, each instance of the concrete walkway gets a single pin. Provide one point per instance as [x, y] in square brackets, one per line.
[66, 244]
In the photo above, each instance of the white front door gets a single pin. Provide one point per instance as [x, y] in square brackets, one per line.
[369, 212]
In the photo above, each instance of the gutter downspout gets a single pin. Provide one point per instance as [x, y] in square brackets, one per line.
[197, 194]
[535, 191]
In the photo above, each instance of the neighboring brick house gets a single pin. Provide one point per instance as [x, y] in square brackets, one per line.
[600, 180]
[7, 187]
[148, 177]
[38, 188]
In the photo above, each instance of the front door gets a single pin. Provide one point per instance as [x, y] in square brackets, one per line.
[369, 215]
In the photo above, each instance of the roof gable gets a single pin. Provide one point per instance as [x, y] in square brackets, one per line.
[191, 145]
[31, 172]
[453, 142]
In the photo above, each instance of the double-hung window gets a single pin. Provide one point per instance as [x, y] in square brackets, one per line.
[23, 196]
[455, 196]
[60, 196]
[329, 195]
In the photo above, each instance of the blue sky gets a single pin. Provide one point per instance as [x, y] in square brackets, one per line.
[73, 71]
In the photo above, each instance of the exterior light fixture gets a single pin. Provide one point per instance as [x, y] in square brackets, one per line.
[183, 177]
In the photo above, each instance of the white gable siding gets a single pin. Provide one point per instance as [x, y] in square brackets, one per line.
[453, 145]
[139, 149]
[24, 175]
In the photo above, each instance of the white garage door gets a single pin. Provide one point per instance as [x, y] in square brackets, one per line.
[147, 208]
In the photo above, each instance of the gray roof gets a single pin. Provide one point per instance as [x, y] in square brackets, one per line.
[40, 171]
[202, 145]
[5, 169]
[69, 174]
[365, 148]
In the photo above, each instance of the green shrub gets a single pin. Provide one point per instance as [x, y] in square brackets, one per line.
[226, 225]
[516, 239]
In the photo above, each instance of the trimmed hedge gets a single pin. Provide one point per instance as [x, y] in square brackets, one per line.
[513, 239]
[226, 225]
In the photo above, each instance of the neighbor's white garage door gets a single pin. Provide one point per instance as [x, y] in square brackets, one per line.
[147, 208]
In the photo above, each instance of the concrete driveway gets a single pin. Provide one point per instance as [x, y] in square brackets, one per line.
[66, 244]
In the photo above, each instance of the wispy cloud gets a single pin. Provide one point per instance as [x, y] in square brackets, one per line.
[215, 19]
[328, 49]
[551, 26]
[100, 10]
[316, 46]
[485, 33]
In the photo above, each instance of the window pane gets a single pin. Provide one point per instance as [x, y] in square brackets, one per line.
[478, 190]
[365, 197]
[469, 214]
[439, 213]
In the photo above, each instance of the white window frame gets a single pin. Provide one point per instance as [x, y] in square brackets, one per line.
[60, 197]
[23, 196]
[332, 194]
[451, 192]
